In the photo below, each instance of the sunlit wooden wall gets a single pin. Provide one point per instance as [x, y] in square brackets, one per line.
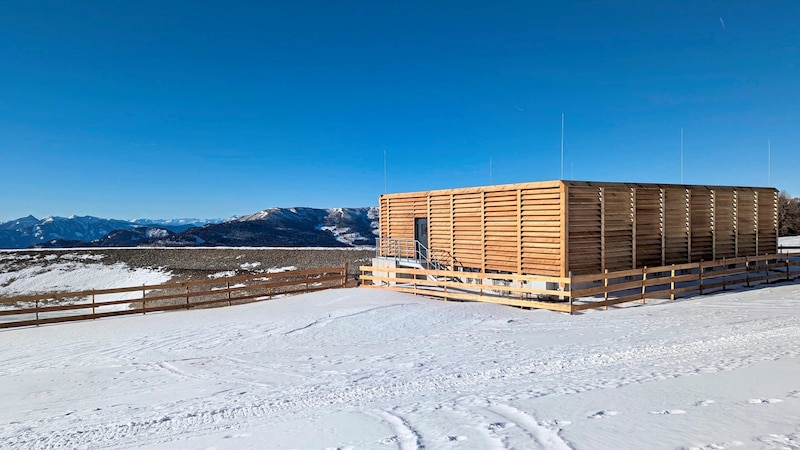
[553, 228]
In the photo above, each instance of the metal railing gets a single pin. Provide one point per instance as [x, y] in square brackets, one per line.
[411, 249]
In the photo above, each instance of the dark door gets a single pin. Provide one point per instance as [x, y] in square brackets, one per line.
[421, 236]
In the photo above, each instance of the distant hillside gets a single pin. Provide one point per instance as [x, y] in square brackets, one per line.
[274, 227]
[286, 227]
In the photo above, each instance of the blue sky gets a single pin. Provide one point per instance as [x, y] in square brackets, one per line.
[212, 109]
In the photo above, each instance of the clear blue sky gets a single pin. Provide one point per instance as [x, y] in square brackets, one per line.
[210, 109]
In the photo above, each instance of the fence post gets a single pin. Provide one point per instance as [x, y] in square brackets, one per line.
[724, 268]
[228, 288]
[570, 293]
[746, 271]
[187, 296]
[672, 283]
[144, 302]
[605, 286]
[37, 312]
[644, 281]
[700, 279]
[93, 317]
[344, 276]
[766, 269]
[786, 260]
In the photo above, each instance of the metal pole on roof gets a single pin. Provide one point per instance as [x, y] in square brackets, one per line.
[490, 170]
[562, 145]
[769, 162]
[384, 171]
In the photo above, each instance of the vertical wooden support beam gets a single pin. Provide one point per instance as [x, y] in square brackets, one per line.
[775, 200]
[381, 223]
[605, 285]
[564, 192]
[388, 218]
[483, 231]
[603, 231]
[735, 223]
[663, 225]
[755, 218]
[713, 212]
[689, 225]
[452, 229]
[519, 231]
[430, 240]
[633, 228]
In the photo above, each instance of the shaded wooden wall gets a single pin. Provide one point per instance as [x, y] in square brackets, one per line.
[553, 228]
[623, 226]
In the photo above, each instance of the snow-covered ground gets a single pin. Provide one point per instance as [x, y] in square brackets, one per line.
[22, 274]
[789, 241]
[372, 369]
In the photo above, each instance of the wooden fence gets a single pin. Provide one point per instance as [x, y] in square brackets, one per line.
[56, 307]
[576, 293]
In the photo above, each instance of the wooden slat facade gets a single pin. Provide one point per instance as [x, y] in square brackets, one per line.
[557, 227]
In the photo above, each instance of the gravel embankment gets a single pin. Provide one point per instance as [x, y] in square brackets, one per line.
[198, 263]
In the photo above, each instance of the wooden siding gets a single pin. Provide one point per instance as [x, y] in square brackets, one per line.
[747, 222]
[440, 225]
[513, 228]
[554, 228]
[701, 221]
[649, 227]
[676, 225]
[619, 228]
[586, 229]
[767, 235]
[540, 227]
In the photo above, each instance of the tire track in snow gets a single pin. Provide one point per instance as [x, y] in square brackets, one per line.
[163, 422]
[546, 437]
[405, 435]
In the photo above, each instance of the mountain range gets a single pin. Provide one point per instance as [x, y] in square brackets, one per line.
[274, 227]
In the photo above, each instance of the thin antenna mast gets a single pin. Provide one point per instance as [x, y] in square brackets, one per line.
[769, 162]
[384, 171]
[562, 145]
[490, 170]
[681, 155]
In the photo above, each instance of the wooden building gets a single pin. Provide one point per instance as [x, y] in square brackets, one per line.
[558, 227]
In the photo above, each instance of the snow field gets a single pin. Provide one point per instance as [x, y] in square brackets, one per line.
[365, 368]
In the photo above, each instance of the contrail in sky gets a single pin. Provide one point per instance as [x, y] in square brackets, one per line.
[723, 23]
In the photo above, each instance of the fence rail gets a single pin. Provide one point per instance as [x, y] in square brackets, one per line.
[576, 293]
[54, 307]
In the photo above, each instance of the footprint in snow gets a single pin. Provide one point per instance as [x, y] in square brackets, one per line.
[703, 402]
[795, 394]
[668, 411]
[497, 426]
[602, 414]
[758, 401]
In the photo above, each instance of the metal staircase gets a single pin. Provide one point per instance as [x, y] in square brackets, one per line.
[411, 253]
